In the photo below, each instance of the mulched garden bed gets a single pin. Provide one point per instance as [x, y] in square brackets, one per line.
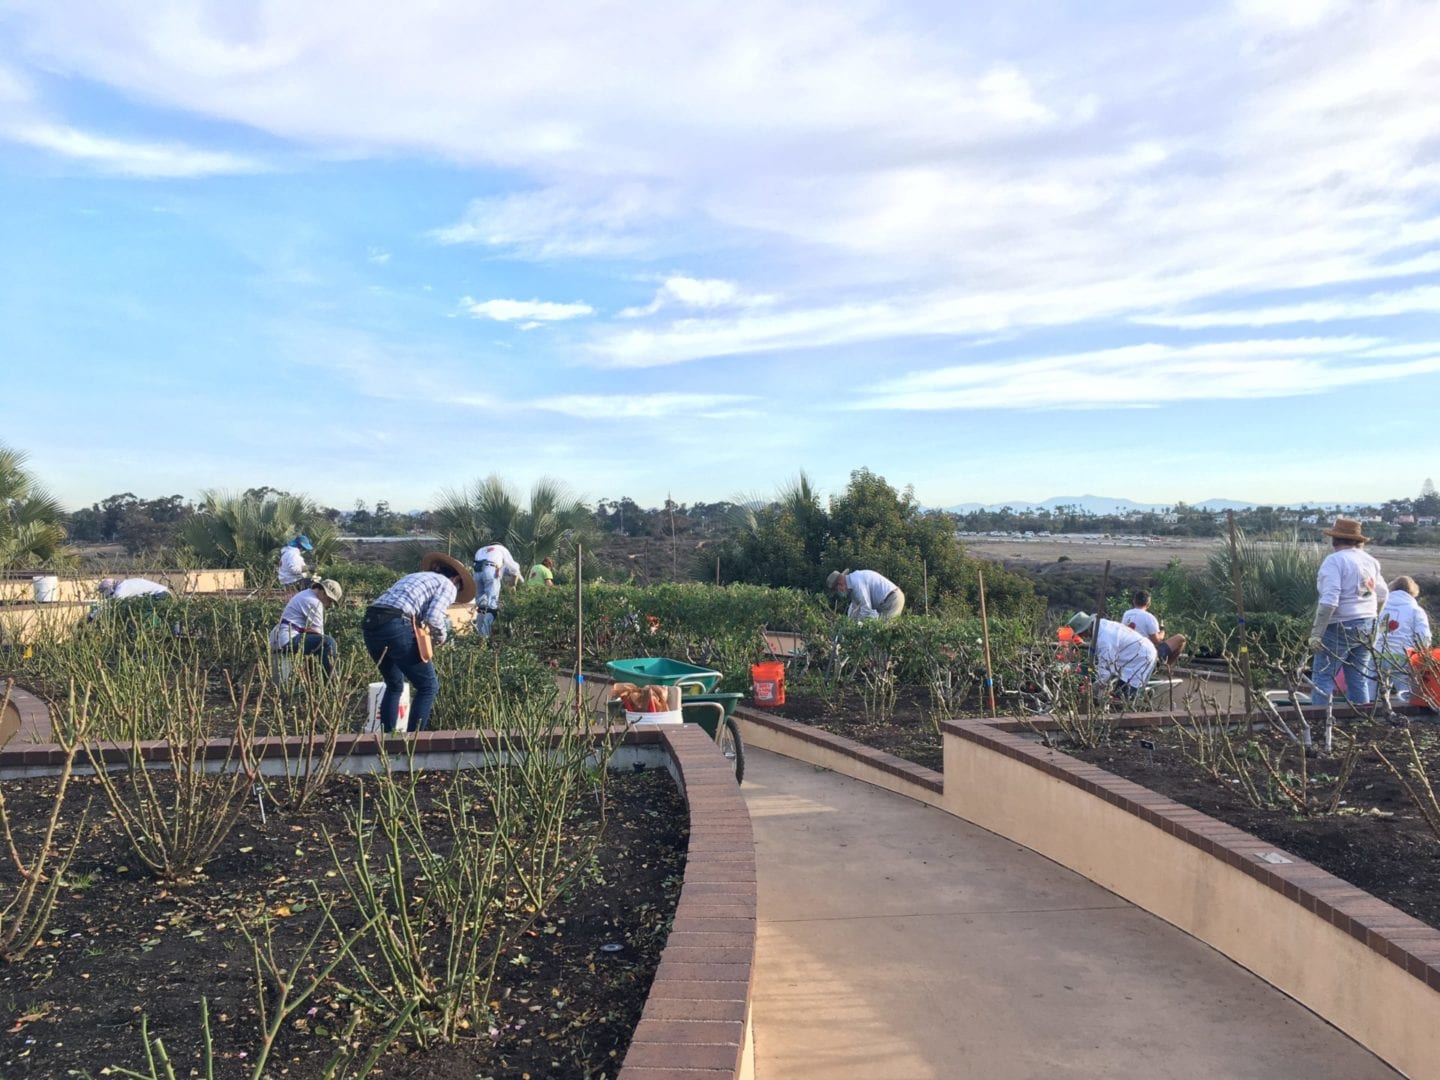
[909, 733]
[121, 944]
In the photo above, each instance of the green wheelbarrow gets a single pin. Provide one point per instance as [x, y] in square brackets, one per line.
[699, 702]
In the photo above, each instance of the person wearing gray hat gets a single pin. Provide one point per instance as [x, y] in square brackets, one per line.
[1124, 658]
[872, 596]
[301, 628]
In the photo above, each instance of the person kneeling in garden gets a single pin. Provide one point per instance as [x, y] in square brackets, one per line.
[301, 628]
[402, 626]
[1124, 658]
[872, 596]
[1140, 619]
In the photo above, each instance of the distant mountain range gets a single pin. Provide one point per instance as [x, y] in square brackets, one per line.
[1099, 504]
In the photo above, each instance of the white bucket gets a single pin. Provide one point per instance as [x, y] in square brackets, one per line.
[648, 719]
[47, 589]
[372, 713]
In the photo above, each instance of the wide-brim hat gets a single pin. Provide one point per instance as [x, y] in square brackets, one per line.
[1081, 622]
[1346, 529]
[832, 577]
[466, 589]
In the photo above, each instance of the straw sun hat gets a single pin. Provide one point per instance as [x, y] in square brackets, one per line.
[466, 587]
[1346, 529]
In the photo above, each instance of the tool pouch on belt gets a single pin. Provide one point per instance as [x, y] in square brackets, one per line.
[423, 642]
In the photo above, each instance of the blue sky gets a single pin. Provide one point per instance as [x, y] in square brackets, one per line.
[996, 251]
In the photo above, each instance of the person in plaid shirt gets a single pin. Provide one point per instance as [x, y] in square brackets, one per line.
[389, 630]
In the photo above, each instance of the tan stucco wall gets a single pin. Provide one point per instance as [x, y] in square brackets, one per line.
[767, 738]
[1353, 987]
[73, 589]
[31, 623]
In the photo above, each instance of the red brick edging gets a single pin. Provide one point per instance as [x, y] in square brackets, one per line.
[696, 1015]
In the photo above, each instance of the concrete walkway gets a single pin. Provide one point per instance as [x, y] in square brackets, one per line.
[899, 943]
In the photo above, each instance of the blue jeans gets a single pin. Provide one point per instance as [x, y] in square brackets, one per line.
[487, 597]
[392, 646]
[1349, 646]
[310, 644]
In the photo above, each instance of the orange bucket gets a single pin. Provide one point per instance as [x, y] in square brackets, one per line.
[767, 683]
[1426, 677]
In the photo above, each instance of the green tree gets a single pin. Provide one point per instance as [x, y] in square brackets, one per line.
[874, 527]
[249, 530]
[490, 512]
[32, 533]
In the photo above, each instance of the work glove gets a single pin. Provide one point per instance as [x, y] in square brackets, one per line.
[1323, 614]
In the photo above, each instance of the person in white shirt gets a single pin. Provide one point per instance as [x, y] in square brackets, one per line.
[1352, 592]
[1123, 657]
[493, 566]
[872, 596]
[302, 624]
[1140, 619]
[292, 573]
[1403, 626]
[130, 588]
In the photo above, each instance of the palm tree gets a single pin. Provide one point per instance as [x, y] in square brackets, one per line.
[32, 535]
[248, 531]
[490, 512]
[1274, 576]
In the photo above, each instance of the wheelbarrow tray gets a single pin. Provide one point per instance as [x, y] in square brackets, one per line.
[700, 709]
[661, 671]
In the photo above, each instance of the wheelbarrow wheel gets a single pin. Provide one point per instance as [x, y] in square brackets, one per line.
[727, 737]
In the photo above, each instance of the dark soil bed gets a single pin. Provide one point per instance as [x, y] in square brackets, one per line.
[1377, 840]
[120, 945]
[909, 733]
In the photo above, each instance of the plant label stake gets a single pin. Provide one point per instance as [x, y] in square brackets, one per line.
[259, 799]
[1149, 747]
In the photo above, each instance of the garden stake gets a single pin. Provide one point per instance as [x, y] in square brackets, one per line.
[1240, 614]
[925, 585]
[579, 646]
[985, 633]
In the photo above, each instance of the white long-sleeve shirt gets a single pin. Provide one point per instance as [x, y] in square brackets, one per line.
[292, 565]
[1403, 625]
[303, 613]
[868, 591]
[137, 586]
[500, 555]
[1350, 581]
[1124, 654]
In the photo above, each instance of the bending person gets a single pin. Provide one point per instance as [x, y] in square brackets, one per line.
[493, 566]
[390, 625]
[1352, 593]
[872, 596]
[301, 628]
[1124, 658]
[293, 573]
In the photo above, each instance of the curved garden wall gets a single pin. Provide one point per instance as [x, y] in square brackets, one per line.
[1361, 964]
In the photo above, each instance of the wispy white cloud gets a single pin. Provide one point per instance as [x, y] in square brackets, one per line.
[145, 160]
[531, 312]
[1422, 300]
[639, 406]
[378, 256]
[689, 292]
[1139, 376]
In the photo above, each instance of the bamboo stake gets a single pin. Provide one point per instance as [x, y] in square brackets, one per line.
[985, 635]
[1239, 611]
[717, 569]
[925, 585]
[579, 645]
